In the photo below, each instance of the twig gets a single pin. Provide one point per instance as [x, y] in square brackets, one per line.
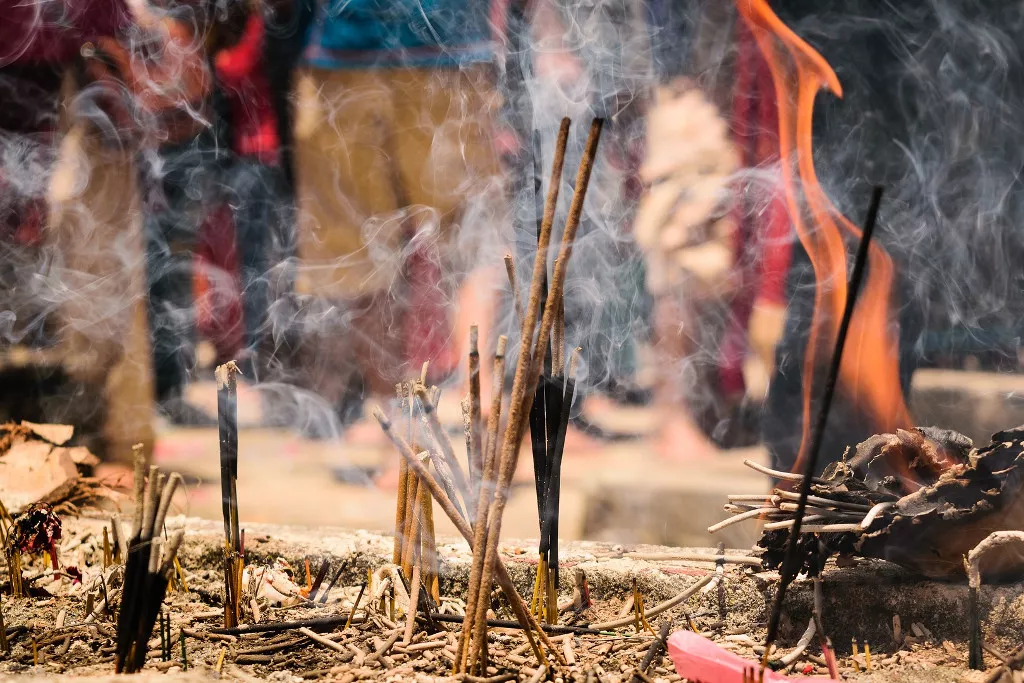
[278, 626]
[657, 609]
[779, 474]
[756, 512]
[317, 638]
[791, 563]
[655, 652]
[695, 557]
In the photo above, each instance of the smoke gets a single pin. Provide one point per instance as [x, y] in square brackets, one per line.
[932, 111]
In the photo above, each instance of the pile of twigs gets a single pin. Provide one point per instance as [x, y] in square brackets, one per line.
[148, 568]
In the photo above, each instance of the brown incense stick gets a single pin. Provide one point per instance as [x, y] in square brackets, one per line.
[513, 284]
[528, 367]
[504, 580]
[476, 449]
[403, 487]
[428, 546]
[409, 532]
[486, 490]
[474, 622]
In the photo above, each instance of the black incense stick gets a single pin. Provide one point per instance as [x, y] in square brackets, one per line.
[790, 564]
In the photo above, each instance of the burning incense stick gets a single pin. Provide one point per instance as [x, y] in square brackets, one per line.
[227, 419]
[513, 285]
[790, 564]
[446, 465]
[529, 366]
[452, 469]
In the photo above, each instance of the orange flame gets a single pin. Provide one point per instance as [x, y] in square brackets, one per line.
[869, 373]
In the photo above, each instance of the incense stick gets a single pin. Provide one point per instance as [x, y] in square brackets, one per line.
[513, 285]
[790, 564]
[476, 449]
[529, 366]
[486, 490]
[445, 445]
[227, 420]
[474, 624]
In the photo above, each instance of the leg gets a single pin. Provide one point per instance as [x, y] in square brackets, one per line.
[448, 171]
[172, 220]
[255, 192]
[350, 232]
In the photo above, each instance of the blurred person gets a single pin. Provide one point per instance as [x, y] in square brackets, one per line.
[68, 197]
[163, 60]
[394, 157]
[254, 182]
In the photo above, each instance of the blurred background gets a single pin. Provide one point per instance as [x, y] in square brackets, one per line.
[325, 192]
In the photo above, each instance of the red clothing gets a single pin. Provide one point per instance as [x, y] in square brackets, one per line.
[764, 238]
[241, 72]
[53, 31]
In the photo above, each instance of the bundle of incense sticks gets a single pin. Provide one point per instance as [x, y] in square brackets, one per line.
[415, 469]
[227, 422]
[148, 568]
[559, 391]
[473, 647]
[415, 548]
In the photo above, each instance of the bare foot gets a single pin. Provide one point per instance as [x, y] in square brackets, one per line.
[365, 432]
[680, 439]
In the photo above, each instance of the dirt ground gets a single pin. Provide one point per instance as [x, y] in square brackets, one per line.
[49, 638]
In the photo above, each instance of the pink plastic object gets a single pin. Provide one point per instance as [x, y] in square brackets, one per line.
[698, 659]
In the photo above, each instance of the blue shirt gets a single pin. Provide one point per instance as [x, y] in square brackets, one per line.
[400, 33]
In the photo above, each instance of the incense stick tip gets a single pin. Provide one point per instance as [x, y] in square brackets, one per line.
[502, 347]
[225, 374]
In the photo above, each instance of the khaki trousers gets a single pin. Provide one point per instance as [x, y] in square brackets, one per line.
[387, 161]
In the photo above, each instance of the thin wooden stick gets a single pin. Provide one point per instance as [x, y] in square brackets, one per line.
[517, 297]
[409, 531]
[486, 491]
[529, 367]
[476, 450]
[530, 626]
[444, 444]
[414, 601]
[403, 489]
[428, 547]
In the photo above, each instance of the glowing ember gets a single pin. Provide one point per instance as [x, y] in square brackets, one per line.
[869, 374]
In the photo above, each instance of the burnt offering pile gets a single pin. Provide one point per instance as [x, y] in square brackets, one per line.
[922, 499]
